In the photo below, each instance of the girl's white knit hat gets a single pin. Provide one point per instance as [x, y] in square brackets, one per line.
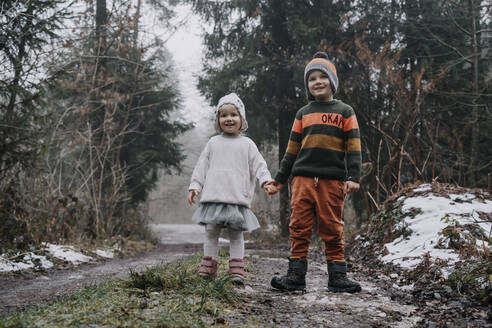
[234, 100]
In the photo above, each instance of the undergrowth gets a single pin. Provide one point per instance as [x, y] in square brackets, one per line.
[163, 296]
[474, 279]
[382, 227]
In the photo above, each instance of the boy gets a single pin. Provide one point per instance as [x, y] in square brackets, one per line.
[324, 157]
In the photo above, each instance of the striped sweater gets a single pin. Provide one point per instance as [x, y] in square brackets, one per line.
[324, 143]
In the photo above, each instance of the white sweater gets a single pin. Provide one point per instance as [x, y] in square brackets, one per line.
[227, 170]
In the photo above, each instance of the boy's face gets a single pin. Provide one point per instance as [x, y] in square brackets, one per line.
[229, 119]
[319, 86]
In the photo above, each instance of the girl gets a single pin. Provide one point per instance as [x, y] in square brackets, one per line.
[225, 177]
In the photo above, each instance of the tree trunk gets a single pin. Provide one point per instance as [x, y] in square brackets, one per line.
[101, 19]
[97, 120]
[283, 139]
[475, 124]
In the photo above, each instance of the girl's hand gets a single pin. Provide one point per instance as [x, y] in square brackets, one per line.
[191, 196]
[269, 189]
[351, 186]
[272, 187]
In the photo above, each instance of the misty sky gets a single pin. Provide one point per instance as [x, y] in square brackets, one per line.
[185, 45]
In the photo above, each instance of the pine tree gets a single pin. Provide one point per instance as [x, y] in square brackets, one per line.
[121, 130]
[26, 29]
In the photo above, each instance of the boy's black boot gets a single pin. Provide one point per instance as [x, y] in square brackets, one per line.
[337, 279]
[295, 278]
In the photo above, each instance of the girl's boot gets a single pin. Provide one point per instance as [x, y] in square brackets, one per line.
[208, 267]
[337, 278]
[295, 278]
[236, 271]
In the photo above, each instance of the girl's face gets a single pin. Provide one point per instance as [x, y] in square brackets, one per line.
[229, 119]
[319, 86]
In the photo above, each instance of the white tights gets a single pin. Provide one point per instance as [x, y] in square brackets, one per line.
[236, 242]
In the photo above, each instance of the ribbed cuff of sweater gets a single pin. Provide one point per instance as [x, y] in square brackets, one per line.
[281, 178]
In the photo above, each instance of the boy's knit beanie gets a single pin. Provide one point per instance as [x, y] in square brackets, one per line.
[232, 99]
[321, 62]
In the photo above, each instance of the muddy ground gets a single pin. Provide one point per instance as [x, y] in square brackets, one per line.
[317, 307]
[380, 304]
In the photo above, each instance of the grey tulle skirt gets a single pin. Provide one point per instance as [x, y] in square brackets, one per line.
[232, 216]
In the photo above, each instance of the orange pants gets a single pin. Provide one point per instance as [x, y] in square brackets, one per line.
[324, 198]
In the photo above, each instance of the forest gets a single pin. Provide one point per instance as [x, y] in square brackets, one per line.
[94, 126]
[88, 103]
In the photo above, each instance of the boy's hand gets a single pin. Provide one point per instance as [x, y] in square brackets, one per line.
[351, 186]
[269, 189]
[191, 196]
[272, 187]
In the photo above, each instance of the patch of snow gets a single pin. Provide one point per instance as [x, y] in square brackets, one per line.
[14, 266]
[105, 253]
[423, 187]
[462, 197]
[44, 262]
[426, 227]
[404, 287]
[29, 261]
[67, 253]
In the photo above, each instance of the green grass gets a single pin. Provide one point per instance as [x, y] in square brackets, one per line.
[163, 296]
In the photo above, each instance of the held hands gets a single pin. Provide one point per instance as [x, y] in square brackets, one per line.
[350, 186]
[191, 196]
[272, 187]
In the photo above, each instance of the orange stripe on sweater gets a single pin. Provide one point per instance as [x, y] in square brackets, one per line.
[297, 127]
[350, 123]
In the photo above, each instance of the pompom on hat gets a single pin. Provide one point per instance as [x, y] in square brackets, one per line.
[234, 100]
[321, 62]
